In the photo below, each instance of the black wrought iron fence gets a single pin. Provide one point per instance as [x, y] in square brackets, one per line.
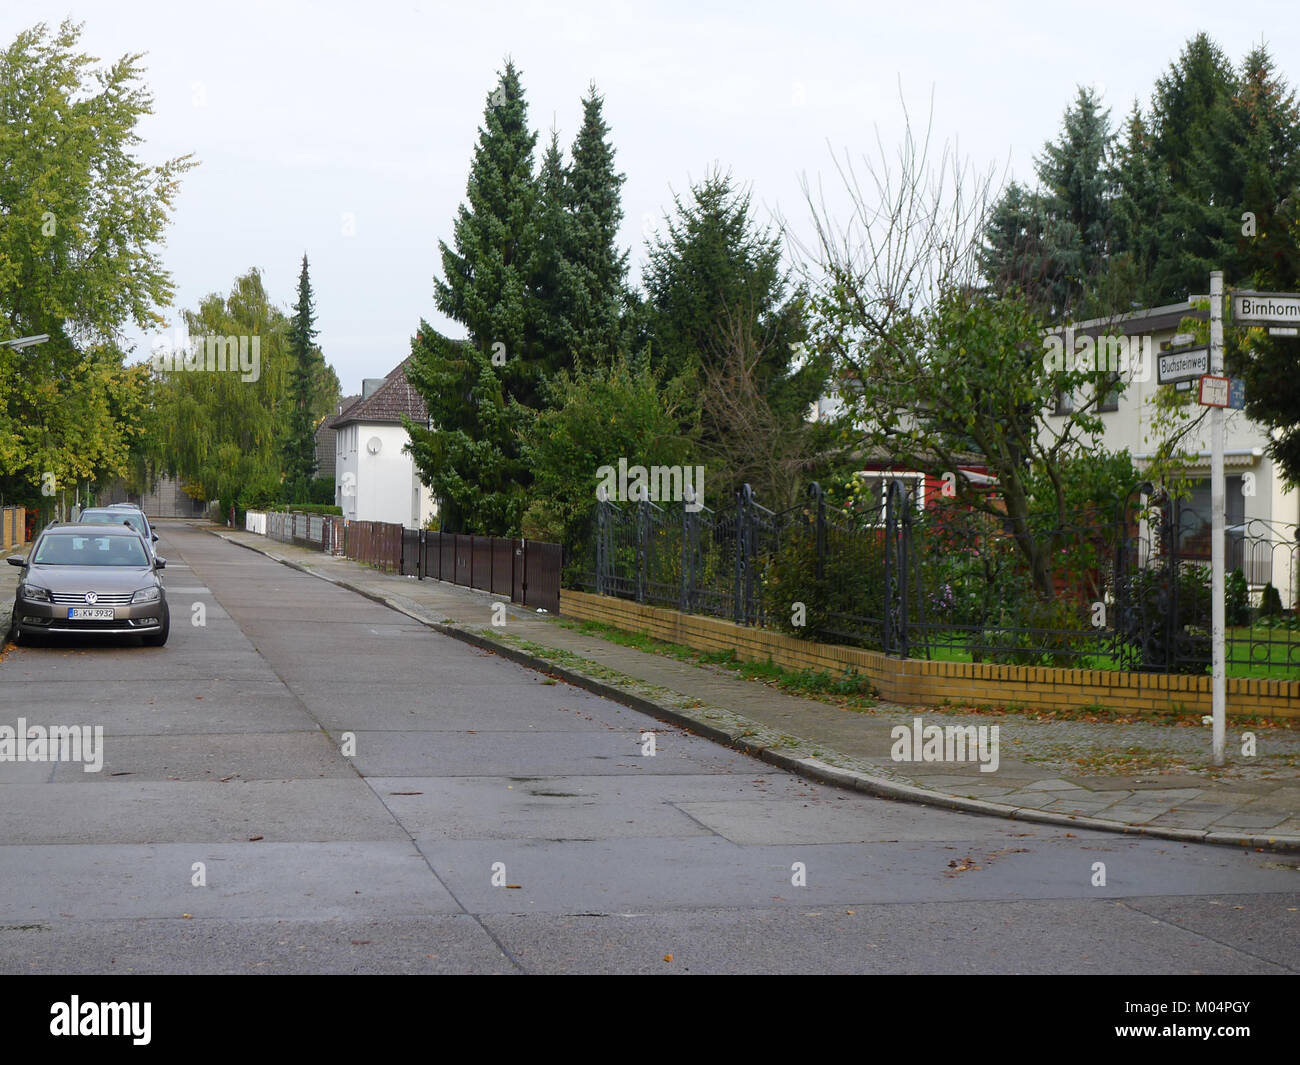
[914, 576]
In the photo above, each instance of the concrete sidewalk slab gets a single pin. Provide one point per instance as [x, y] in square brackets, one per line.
[1037, 778]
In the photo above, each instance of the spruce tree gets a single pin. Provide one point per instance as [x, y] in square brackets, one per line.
[1195, 223]
[1054, 243]
[470, 453]
[715, 283]
[1141, 192]
[1014, 255]
[1257, 152]
[710, 261]
[1186, 99]
[560, 299]
[580, 278]
[1261, 138]
[1075, 173]
[596, 212]
[300, 444]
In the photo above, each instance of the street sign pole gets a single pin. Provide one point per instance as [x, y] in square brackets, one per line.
[1219, 690]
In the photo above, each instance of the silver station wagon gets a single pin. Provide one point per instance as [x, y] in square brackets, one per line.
[90, 580]
[118, 514]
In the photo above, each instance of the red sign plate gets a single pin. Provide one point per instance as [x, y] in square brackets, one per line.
[1214, 391]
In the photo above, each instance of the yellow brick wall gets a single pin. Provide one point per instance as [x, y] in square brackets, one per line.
[13, 522]
[917, 682]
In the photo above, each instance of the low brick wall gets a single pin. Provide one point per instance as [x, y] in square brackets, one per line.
[913, 681]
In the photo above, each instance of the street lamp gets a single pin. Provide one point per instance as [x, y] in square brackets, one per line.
[25, 342]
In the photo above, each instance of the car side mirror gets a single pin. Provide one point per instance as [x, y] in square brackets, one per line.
[155, 537]
[159, 563]
[17, 560]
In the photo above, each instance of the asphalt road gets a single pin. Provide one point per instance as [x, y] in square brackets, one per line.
[490, 820]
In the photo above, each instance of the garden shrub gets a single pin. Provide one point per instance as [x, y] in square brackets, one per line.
[1238, 599]
[1166, 626]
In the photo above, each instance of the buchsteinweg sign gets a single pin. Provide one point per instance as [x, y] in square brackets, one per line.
[1266, 308]
[1186, 365]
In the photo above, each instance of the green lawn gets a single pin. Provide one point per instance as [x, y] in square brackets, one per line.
[1253, 651]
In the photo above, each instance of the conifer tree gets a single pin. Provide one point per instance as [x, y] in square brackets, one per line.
[595, 204]
[1195, 221]
[560, 299]
[719, 303]
[469, 454]
[1141, 192]
[1257, 152]
[304, 373]
[1260, 135]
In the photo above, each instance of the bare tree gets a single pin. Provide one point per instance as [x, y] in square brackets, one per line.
[934, 365]
[745, 435]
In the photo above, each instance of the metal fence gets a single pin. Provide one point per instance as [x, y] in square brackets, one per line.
[528, 571]
[291, 527]
[1128, 590]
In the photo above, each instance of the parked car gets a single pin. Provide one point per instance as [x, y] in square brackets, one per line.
[116, 514]
[100, 580]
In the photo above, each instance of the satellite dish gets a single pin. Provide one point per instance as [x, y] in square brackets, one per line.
[373, 445]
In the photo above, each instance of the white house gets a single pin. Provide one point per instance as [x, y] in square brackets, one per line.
[1260, 503]
[374, 478]
[1262, 508]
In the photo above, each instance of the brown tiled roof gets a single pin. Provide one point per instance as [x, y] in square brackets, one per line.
[389, 402]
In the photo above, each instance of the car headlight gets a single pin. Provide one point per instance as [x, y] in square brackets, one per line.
[31, 591]
[147, 595]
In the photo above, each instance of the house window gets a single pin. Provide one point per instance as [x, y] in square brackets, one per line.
[1064, 403]
[1108, 392]
[1195, 522]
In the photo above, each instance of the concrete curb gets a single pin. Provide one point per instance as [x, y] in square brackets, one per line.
[811, 768]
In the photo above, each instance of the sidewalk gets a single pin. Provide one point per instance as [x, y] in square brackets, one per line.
[1254, 802]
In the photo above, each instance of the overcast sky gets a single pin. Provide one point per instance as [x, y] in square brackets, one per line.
[304, 113]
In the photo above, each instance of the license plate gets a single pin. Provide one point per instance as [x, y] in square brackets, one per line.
[90, 613]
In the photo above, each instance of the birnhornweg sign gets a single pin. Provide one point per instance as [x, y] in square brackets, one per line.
[1266, 308]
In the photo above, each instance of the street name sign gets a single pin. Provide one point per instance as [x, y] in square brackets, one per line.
[1183, 365]
[1266, 308]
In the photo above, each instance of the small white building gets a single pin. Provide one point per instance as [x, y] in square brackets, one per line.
[375, 479]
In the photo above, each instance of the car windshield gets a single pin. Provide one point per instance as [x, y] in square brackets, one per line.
[89, 550]
[115, 517]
